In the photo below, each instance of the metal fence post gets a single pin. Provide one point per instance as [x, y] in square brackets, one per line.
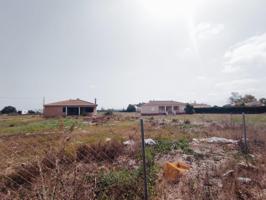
[244, 133]
[144, 160]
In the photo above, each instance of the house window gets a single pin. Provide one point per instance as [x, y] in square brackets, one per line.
[88, 109]
[64, 109]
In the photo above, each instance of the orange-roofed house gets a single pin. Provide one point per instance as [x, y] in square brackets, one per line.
[72, 107]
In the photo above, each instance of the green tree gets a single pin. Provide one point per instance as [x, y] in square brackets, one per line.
[248, 98]
[9, 110]
[189, 109]
[31, 112]
[263, 101]
[131, 108]
[236, 99]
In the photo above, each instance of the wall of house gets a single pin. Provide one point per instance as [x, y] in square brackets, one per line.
[153, 110]
[53, 111]
[182, 108]
[147, 109]
[57, 111]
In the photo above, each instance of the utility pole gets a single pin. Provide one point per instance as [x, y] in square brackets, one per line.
[144, 160]
[245, 133]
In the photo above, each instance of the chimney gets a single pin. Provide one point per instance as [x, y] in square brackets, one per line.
[95, 101]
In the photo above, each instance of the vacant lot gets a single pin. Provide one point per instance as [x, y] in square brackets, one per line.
[84, 158]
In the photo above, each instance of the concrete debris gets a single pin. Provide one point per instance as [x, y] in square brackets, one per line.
[150, 141]
[218, 140]
[228, 173]
[251, 155]
[244, 180]
[129, 142]
[244, 165]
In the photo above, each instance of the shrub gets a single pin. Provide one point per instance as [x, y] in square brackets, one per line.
[131, 108]
[189, 109]
[108, 112]
[31, 112]
[186, 121]
[9, 110]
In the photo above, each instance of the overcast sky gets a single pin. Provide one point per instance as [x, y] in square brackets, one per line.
[124, 51]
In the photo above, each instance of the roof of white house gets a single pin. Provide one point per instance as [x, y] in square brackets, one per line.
[164, 103]
[200, 105]
[254, 104]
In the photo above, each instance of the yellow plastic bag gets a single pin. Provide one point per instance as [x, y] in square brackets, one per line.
[172, 171]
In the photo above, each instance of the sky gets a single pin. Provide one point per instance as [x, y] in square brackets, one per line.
[124, 51]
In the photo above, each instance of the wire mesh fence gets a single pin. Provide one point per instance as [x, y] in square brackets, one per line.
[56, 171]
[57, 165]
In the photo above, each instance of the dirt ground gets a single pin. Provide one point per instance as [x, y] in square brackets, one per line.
[93, 148]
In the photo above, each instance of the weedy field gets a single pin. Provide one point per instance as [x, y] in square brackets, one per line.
[85, 158]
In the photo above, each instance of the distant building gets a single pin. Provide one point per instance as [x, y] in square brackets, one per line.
[70, 107]
[163, 108]
[200, 105]
[254, 104]
[24, 112]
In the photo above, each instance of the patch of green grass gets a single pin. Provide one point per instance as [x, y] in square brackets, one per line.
[128, 184]
[165, 146]
[121, 184]
[184, 145]
[17, 126]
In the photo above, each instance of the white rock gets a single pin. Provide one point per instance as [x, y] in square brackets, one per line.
[150, 141]
[244, 180]
[216, 140]
[129, 142]
[230, 172]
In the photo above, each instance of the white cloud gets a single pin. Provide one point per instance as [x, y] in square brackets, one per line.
[92, 86]
[201, 78]
[236, 84]
[207, 30]
[247, 56]
[244, 86]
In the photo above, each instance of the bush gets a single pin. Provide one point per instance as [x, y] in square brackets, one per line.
[9, 110]
[232, 110]
[131, 108]
[189, 109]
[187, 121]
[31, 112]
[108, 112]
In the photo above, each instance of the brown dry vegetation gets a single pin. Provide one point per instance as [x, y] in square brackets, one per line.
[85, 158]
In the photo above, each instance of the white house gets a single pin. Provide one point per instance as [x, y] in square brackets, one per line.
[163, 108]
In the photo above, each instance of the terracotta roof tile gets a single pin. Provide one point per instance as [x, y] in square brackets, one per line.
[72, 102]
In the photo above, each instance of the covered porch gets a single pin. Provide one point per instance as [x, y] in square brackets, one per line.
[78, 110]
[168, 110]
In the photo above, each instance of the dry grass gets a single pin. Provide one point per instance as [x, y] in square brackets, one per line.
[100, 151]
[65, 162]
